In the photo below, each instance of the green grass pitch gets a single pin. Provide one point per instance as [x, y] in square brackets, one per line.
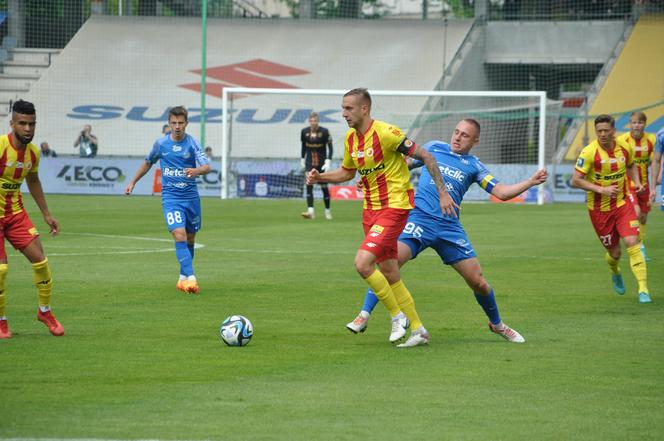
[142, 361]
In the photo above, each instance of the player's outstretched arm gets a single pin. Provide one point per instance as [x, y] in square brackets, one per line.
[142, 170]
[37, 193]
[505, 192]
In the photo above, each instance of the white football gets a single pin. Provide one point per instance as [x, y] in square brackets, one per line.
[236, 330]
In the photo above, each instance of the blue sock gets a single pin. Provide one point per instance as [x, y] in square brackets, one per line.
[370, 301]
[191, 250]
[488, 304]
[182, 253]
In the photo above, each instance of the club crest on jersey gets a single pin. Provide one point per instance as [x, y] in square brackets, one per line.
[579, 162]
[33, 231]
[634, 223]
[177, 148]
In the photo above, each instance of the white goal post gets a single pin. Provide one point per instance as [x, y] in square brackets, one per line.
[429, 105]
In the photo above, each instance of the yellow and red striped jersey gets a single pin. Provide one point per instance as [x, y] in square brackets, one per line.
[643, 152]
[15, 164]
[382, 168]
[605, 168]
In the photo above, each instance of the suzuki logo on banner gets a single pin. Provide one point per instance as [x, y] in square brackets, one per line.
[252, 73]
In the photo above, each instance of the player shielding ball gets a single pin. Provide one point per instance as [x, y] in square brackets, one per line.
[643, 145]
[19, 162]
[602, 169]
[376, 151]
[427, 227]
[181, 159]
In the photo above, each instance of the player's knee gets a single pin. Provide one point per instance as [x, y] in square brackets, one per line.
[179, 235]
[363, 268]
[478, 283]
[630, 241]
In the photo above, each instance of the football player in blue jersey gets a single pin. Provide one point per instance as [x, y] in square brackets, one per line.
[427, 227]
[656, 167]
[181, 159]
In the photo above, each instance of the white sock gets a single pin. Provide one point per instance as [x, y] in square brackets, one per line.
[44, 308]
[183, 277]
[365, 314]
[192, 278]
[310, 210]
[4, 317]
[328, 211]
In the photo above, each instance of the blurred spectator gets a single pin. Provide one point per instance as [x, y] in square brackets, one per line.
[87, 143]
[46, 150]
[208, 152]
[166, 129]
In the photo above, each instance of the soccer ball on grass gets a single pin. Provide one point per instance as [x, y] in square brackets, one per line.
[236, 330]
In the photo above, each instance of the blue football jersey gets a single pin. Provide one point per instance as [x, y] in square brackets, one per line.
[173, 158]
[459, 172]
[659, 143]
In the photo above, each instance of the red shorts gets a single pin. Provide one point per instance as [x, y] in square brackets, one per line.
[18, 230]
[381, 231]
[642, 199]
[610, 226]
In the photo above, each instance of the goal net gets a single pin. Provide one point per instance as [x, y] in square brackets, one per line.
[261, 146]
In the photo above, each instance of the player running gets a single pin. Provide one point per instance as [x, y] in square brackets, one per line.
[602, 169]
[427, 227]
[643, 145]
[179, 154]
[20, 161]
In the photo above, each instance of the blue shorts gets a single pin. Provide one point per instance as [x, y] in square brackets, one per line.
[447, 238]
[182, 214]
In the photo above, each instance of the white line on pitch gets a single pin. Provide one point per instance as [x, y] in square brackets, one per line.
[78, 439]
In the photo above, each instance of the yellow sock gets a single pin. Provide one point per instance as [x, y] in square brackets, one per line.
[406, 303]
[638, 264]
[3, 295]
[642, 232]
[613, 264]
[381, 288]
[42, 278]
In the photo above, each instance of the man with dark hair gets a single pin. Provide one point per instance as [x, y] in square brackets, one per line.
[21, 162]
[181, 159]
[428, 228]
[376, 151]
[314, 140]
[602, 170]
